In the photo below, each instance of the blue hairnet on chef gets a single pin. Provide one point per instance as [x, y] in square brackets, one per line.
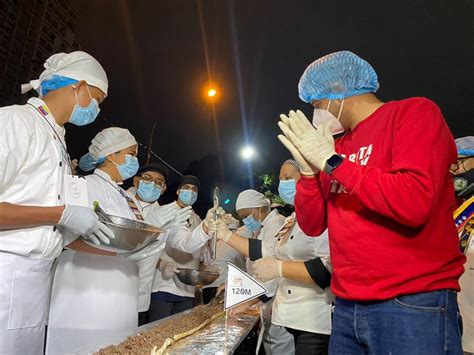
[337, 76]
[55, 82]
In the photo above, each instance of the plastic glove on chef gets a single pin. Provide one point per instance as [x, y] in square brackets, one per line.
[33, 164]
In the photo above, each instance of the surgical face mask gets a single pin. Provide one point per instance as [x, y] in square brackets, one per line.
[252, 224]
[188, 197]
[464, 184]
[287, 190]
[321, 117]
[82, 116]
[129, 168]
[148, 191]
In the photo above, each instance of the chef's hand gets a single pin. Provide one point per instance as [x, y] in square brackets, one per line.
[266, 269]
[223, 232]
[211, 215]
[316, 146]
[231, 222]
[151, 249]
[180, 218]
[220, 290]
[167, 268]
[84, 222]
[75, 164]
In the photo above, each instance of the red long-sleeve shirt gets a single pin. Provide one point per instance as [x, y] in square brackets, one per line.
[389, 205]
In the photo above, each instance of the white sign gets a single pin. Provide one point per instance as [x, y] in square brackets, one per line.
[240, 287]
[75, 191]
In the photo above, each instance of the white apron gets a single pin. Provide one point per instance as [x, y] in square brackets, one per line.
[93, 292]
[24, 299]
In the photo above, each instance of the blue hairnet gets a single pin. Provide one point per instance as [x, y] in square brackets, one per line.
[337, 76]
[55, 82]
[88, 162]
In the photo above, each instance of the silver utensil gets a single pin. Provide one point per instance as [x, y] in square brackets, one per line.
[197, 278]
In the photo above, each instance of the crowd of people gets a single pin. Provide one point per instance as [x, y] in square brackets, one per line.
[369, 262]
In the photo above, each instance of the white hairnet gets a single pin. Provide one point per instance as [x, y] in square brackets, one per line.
[111, 140]
[75, 65]
[251, 199]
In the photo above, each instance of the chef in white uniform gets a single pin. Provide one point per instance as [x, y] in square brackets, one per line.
[265, 224]
[33, 164]
[102, 286]
[301, 264]
[169, 295]
[148, 185]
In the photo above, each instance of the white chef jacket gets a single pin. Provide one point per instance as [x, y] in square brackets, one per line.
[33, 162]
[271, 225]
[182, 260]
[94, 291]
[299, 305]
[181, 239]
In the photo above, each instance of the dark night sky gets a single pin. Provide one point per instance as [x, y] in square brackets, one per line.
[153, 54]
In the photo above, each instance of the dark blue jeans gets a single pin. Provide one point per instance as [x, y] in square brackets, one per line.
[423, 323]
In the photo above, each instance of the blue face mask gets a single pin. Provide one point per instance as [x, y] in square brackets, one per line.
[148, 191]
[287, 190]
[82, 116]
[129, 168]
[252, 224]
[188, 197]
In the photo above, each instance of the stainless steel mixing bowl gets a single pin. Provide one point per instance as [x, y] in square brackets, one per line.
[196, 277]
[130, 235]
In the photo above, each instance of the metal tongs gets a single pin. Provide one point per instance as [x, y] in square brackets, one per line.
[100, 212]
[215, 199]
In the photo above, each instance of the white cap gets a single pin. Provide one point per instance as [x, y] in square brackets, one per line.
[251, 199]
[111, 140]
[75, 65]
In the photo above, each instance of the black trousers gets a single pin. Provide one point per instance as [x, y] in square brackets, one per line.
[309, 343]
[161, 309]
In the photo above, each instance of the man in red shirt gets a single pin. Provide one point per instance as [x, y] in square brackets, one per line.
[385, 193]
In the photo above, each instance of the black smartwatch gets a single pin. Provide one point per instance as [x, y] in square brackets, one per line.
[332, 163]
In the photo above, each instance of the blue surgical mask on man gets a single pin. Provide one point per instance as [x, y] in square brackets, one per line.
[252, 224]
[129, 168]
[147, 191]
[82, 116]
[188, 197]
[287, 190]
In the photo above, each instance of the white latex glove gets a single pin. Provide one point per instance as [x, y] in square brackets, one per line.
[231, 222]
[266, 269]
[154, 248]
[223, 232]
[83, 221]
[210, 215]
[180, 218]
[316, 146]
[168, 268]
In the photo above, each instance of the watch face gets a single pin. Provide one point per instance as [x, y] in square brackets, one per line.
[332, 163]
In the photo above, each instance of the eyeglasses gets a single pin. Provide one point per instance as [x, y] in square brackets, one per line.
[159, 182]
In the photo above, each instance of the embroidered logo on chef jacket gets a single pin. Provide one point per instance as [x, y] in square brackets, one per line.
[360, 158]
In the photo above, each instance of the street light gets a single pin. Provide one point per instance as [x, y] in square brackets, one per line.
[247, 152]
[211, 92]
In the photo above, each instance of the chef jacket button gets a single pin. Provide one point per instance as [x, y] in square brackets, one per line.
[54, 229]
[59, 197]
[289, 292]
[291, 237]
[60, 163]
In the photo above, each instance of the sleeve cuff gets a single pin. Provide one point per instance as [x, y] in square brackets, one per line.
[255, 249]
[318, 272]
[346, 175]
[307, 182]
